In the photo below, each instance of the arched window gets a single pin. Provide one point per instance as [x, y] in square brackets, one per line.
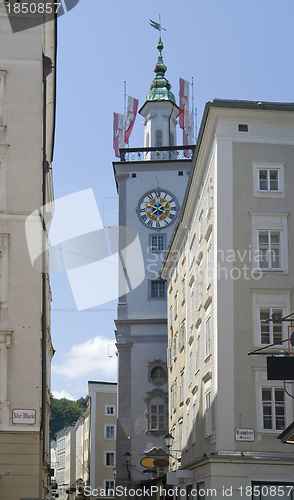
[158, 138]
[147, 140]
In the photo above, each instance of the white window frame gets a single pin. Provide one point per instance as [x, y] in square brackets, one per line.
[257, 192]
[157, 296]
[208, 336]
[192, 252]
[190, 366]
[198, 348]
[192, 306]
[157, 237]
[111, 482]
[176, 305]
[201, 226]
[157, 415]
[106, 410]
[182, 385]
[209, 263]
[105, 458]
[269, 222]
[183, 290]
[263, 383]
[268, 299]
[194, 416]
[208, 409]
[105, 431]
[183, 331]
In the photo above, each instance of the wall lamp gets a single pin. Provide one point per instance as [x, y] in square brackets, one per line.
[127, 457]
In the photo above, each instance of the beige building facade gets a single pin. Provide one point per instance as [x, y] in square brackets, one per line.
[229, 267]
[24, 365]
[102, 452]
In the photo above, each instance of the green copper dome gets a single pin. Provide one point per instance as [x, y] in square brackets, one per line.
[160, 87]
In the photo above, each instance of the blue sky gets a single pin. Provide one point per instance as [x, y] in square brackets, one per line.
[233, 49]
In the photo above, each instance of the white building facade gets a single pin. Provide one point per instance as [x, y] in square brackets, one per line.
[233, 270]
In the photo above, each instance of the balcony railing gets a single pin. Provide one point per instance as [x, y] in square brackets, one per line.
[164, 153]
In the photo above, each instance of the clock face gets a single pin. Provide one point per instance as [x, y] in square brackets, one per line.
[157, 208]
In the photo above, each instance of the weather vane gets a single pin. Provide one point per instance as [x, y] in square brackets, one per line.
[156, 25]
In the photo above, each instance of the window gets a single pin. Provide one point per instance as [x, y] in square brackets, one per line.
[158, 138]
[269, 242]
[180, 435]
[175, 395]
[183, 289]
[170, 316]
[273, 408]
[109, 486]
[207, 337]
[265, 491]
[158, 375]
[201, 226]
[268, 179]
[171, 400]
[265, 303]
[109, 432]
[269, 249]
[183, 335]
[157, 242]
[109, 458]
[109, 410]
[208, 413]
[192, 306]
[209, 264]
[158, 289]
[194, 423]
[147, 140]
[182, 387]
[157, 417]
[198, 353]
[200, 287]
[175, 341]
[192, 253]
[190, 366]
[270, 332]
[176, 305]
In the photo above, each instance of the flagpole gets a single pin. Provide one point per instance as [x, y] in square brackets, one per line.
[125, 110]
[192, 85]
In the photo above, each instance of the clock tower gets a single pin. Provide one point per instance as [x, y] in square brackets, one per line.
[151, 183]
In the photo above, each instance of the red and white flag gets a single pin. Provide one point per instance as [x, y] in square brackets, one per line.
[184, 104]
[131, 116]
[118, 133]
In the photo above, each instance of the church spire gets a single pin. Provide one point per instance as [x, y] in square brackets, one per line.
[160, 87]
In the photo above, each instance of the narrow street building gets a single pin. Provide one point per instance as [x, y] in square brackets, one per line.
[26, 149]
[229, 268]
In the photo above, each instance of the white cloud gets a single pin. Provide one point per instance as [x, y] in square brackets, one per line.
[62, 394]
[90, 358]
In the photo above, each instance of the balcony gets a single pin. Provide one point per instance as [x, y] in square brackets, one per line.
[157, 154]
